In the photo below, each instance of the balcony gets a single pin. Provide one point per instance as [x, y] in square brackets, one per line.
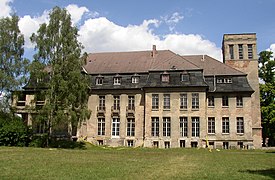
[115, 111]
[130, 111]
[101, 111]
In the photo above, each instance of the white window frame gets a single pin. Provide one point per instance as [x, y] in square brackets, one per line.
[195, 126]
[99, 81]
[101, 126]
[225, 125]
[166, 126]
[183, 101]
[117, 80]
[195, 101]
[155, 101]
[240, 125]
[166, 101]
[115, 127]
[183, 126]
[135, 79]
[130, 126]
[211, 125]
[155, 126]
[239, 101]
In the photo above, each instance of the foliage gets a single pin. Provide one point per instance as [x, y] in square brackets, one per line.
[135, 163]
[267, 90]
[13, 132]
[13, 68]
[58, 57]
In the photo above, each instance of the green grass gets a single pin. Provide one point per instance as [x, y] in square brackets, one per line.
[139, 163]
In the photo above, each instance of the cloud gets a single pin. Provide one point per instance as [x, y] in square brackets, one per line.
[77, 12]
[100, 34]
[5, 7]
[272, 49]
[172, 20]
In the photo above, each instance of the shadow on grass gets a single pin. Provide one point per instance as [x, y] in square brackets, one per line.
[265, 172]
[67, 144]
[270, 152]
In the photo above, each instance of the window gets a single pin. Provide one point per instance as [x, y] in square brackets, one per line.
[101, 126]
[155, 126]
[231, 51]
[116, 103]
[166, 126]
[240, 51]
[167, 144]
[117, 80]
[131, 102]
[220, 80]
[184, 77]
[135, 79]
[115, 127]
[239, 101]
[225, 125]
[101, 103]
[21, 99]
[183, 126]
[99, 80]
[211, 125]
[211, 101]
[250, 51]
[130, 143]
[227, 80]
[155, 101]
[182, 143]
[130, 127]
[165, 77]
[240, 125]
[195, 126]
[166, 101]
[195, 101]
[183, 101]
[225, 101]
[225, 145]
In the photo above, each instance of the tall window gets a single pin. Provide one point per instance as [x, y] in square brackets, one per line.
[155, 126]
[166, 126]
[117, 80]
[130, 127]
[225, 101]
[211, 101]
[250, 51]
[101, 126]
[166, 101]
[195, 126]
[131, 102]
[115, 127]
[101, 103]
[183, 126]
[225, 125]
[195, 101]
[155, 101]
[116, 102]
[240, 51]
[231, 51]
[239, 101]
[99, 80]
[211, 125]
[183, 101]
[240, 125]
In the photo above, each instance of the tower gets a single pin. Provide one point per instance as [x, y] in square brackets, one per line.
[240, 52]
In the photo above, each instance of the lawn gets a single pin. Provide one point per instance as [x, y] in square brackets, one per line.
[139, 163]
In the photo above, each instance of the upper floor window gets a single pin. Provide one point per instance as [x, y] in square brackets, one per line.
[239, 101]
[195, 101]
[135, 79]
[165, 77]
[101, 103]
[166, 101]
[99, 80]
[131, 102]
[250, 51]
[183, 101]
[211, 101]
[240, 51]
[117, 80]
[116, 103]
[225, 102]
[155, 101]
[231, 51]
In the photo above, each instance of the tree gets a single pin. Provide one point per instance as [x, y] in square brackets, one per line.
[267, 92]
[13, 67]
[58, 51]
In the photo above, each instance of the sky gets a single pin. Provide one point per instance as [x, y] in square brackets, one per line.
[186, 27]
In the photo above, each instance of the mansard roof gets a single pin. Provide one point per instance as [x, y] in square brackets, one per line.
[136, 62]
[212, 66]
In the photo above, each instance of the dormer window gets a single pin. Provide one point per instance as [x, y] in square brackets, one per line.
[224, 80]
[117, 80]
[135, 79]
[184, 77]
[99, 80]
[165, 77]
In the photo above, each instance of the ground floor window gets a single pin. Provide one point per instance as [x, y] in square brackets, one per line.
[182, 143]
[130, 143]
[155, 144]
[101, 126]
[194, 144]
[155, 126]
[130, 127]
[115, 127]
[100, 142]
[166, 126]
[240, 144]
[225, 145]
[183, 126]
[167, 144]
[195, 126]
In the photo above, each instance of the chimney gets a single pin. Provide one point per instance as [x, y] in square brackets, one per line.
[154, 51]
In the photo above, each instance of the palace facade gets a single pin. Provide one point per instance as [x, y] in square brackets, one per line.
[158, 98]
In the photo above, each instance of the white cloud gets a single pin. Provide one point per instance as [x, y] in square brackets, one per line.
[272, 48]
[5, 7]
[100, 34]
[172, 20]
[77, 12]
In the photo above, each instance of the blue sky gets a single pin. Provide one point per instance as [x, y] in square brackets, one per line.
[183, 26]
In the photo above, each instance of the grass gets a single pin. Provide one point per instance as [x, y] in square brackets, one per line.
[140, 163]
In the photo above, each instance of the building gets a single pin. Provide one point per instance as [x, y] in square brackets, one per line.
[160, 99]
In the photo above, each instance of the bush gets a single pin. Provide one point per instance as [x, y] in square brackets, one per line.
[13, 132]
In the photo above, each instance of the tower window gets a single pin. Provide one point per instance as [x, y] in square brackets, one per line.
[250, 51]
[240, 51]
[231, 51]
